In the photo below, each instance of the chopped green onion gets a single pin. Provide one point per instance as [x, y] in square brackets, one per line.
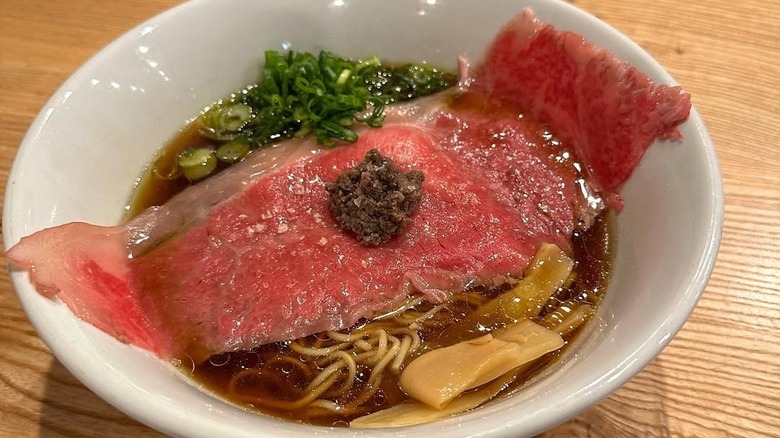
[224, 121]
[233, 152]
[343, 77]
[301, 94]
[197, 164]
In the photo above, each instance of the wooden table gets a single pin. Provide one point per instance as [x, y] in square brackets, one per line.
[720, 376]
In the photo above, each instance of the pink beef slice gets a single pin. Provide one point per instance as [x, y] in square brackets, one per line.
[86, 267]
[253, 255]
[272, 263]
[610, 111]
[522, 163]
[263, 260]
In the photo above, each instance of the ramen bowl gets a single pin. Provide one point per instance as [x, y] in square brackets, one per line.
[93, 138]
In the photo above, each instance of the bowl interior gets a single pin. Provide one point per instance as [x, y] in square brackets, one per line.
[96, 134]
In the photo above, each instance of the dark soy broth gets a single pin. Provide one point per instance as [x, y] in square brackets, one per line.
[155, 186]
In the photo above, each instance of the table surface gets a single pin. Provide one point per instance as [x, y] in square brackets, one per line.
[719, 377]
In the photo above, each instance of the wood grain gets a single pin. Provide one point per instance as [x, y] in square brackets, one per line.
[720, 377]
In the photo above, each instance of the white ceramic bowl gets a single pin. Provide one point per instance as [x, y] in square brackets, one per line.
[82, 154]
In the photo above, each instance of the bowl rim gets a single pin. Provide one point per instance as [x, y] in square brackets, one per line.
[168, 422]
